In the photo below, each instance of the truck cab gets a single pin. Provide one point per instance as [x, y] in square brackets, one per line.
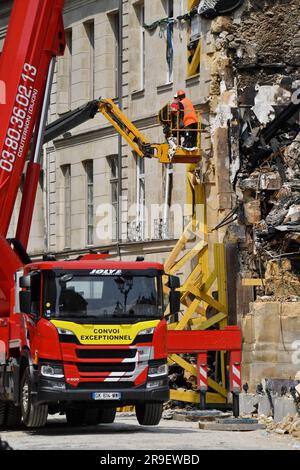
[89, 337]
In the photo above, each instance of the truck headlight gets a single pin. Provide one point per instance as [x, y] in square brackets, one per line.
[155, 371]
[52, 370]
[147, 331]
[63, 331]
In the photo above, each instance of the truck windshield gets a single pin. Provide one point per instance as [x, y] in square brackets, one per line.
[102, 297]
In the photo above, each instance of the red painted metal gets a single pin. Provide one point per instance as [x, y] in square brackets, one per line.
[229, 339]
[202, 372]
[29, 194]
[95, 264]
[35, 34]
[235, 375]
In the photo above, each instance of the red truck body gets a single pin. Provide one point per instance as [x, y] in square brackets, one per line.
[74, 336]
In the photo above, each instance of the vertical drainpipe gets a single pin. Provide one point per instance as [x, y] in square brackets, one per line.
[120, 104]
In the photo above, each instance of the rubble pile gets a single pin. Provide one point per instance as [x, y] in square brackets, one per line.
[289, 425]
[180, 379]
[265, 170]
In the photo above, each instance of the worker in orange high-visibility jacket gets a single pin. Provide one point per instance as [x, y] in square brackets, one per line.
[190, 121]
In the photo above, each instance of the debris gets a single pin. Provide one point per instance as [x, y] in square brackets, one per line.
[203, 415]
[252, 211]
[289, 425]
[235, 424]
[212, 8]
[280, 281]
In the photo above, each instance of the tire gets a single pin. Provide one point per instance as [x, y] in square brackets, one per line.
[77, 417]
[3, 409]
[149, 414]
[106, 415]
[33, 415]
[13, 416]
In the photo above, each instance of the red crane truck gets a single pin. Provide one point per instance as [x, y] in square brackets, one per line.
[79, 337]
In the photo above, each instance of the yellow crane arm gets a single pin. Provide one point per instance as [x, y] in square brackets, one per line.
[136, 139]
[126, 128]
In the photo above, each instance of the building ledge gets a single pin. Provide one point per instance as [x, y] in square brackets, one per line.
[138, 94]
[193, 80]
[165, 87]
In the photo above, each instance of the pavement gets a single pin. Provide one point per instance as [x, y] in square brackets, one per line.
[127, 434]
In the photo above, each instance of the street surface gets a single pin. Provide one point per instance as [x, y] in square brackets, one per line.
[126, 434]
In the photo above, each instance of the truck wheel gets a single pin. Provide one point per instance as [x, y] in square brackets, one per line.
[106, 415]
[34, 416]
[3, 408]
[14, 415]
[149, 414]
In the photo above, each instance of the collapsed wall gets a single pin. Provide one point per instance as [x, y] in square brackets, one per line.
[254, 102]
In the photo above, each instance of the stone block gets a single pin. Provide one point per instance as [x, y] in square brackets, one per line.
[247, 403]
[264, 406]
[282, 407]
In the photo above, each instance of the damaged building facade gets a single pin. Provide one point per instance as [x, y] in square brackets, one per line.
[253, 96]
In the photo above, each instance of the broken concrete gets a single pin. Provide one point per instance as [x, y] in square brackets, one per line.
[271, 341]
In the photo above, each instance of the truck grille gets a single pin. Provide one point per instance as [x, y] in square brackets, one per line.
[105, 353]
[103, 385]
[107, 367]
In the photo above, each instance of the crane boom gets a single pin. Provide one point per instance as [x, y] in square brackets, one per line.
[35, 35]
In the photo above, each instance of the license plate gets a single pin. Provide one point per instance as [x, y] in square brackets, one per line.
[106, 396]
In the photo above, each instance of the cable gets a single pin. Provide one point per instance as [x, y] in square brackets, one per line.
[226, 220]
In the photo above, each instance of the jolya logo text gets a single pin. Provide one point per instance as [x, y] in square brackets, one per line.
[106, 272]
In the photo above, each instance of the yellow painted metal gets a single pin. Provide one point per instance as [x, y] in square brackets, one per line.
[252, 282]
[123, 125]
[193, 67]
[196, 289]
[183, 363]
[196, 250]
[219, 388]
[199, 324]
[126, 409]
[139, 143]
[194, 397]
[187, 315]
[192, 4]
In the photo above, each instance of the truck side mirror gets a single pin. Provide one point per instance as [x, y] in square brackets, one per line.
[174, 282]
[174, 302]
[25, 301]
[25, 282]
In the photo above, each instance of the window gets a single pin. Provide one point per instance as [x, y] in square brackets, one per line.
[114, 19]
[90, 32]
[140, 11]
[114, 191]
[194, 42]
[89, 170]
[141, 198]
[35, 290]
[68, 59]
[66, 169]
[102, 297]
[169, 8]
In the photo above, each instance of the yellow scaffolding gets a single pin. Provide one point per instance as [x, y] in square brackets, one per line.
[196, 290]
